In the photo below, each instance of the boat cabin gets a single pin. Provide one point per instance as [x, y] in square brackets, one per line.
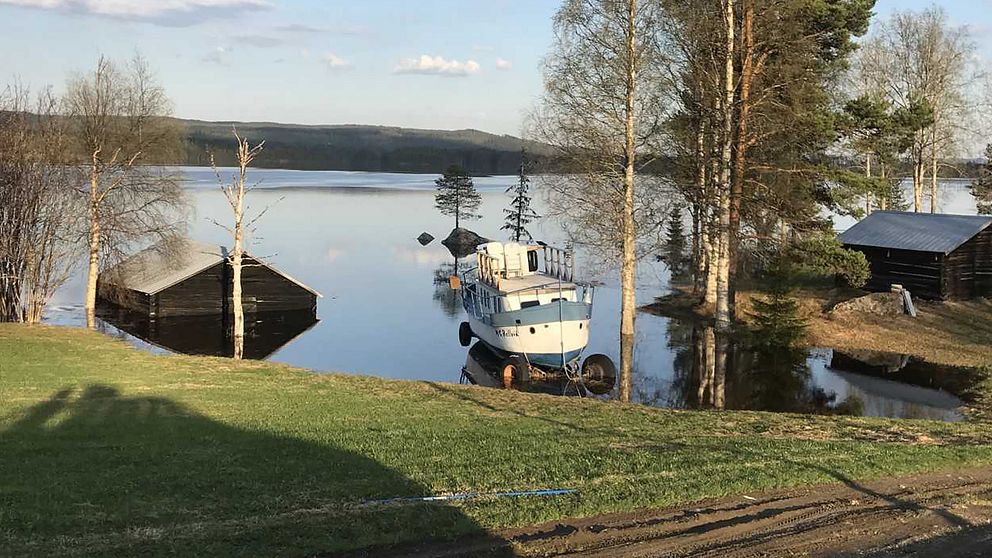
[514, 275]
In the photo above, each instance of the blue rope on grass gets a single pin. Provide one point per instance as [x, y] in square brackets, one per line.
[471, 496]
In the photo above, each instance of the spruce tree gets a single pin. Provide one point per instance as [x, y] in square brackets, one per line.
[675, 243]
[520, 214]
[456, 195]
[779, 324]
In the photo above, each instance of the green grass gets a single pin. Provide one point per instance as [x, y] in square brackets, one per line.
[106, 450]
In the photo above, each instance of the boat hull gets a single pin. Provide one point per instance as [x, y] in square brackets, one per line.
[550, 335]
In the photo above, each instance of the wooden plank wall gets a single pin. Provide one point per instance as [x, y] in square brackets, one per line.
[968, 272]
[209, 292]
[920, 272]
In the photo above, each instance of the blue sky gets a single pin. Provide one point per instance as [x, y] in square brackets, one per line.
[447, 64]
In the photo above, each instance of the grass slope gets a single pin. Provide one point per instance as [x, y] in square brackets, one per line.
[108, 450]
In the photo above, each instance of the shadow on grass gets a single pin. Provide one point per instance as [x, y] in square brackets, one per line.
[733, 452]
[94, 472]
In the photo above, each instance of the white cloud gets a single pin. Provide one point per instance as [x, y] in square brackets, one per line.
[176, 13]
[503, 64]
[335, 62]
[436, 65]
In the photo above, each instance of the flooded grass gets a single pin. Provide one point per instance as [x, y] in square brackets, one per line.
[105, 449]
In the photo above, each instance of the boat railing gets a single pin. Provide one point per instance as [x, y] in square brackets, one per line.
[490, 269]
[559, 263]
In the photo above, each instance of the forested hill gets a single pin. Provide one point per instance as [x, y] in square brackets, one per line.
[363, 148]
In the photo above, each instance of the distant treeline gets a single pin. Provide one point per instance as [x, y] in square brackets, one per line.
[360, 148]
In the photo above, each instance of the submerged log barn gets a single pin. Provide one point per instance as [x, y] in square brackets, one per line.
[935, 256]
[190, 278]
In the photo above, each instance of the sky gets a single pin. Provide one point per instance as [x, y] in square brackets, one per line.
[440, 64]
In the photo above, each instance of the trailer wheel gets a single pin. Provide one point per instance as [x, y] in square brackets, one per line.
[599, 374]
[465, 334]
[514, 371]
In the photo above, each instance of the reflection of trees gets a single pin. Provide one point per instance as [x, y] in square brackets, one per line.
[718, 371]
[447, 298]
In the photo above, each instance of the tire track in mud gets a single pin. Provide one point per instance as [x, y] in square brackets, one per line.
[850, 519]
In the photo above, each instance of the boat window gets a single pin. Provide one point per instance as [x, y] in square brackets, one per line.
[530, 303]
[532, 260]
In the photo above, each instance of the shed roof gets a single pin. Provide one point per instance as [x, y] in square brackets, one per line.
[163, 265]
[921, 232]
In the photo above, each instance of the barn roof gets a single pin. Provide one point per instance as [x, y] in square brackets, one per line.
[163, 265]
[921, 232]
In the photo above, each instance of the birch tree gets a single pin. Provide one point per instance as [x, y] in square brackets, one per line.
[119, 129]
[39, 207]
[236, 192]
[916, 56]
[602, 111]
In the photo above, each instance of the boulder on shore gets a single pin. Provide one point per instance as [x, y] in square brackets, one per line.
[462, 242]
[877, 304]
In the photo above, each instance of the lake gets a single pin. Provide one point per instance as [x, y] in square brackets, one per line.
[352, 237]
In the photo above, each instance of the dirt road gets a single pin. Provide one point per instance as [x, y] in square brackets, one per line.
[947, 515]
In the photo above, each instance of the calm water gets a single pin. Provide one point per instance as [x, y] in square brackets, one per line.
[352, 237]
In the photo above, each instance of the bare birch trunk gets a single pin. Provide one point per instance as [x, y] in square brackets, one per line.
[699, 245]
[724, 207]
[93, 270]
[868, 194]
[933, 171]
[918, 176]
[627, 273]
[883, 202]
[236, 302]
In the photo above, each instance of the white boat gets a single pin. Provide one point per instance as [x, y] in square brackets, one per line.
[522, 301]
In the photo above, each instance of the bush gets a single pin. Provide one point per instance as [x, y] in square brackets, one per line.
[824, 254]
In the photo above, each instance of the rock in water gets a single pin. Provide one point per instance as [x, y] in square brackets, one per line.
[462, 242]
[425, 238]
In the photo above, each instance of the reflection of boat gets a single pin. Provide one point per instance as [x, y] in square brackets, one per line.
[210, 335]
[520, 303]
[484, 368]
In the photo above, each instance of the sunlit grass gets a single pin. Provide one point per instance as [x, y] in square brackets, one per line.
[108, 450]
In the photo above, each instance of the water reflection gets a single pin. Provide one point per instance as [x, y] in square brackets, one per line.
[448, 299]
[482, 367]
[713, 370]
[211, 335]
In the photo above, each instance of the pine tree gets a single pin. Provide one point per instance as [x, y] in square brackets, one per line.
[779, 324]
[520, 214]
[981, 187]
[456, 195]
[675, 257]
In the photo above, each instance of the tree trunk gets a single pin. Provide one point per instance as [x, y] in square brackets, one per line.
[723, 241]
[918, 175]
[93, 270]
[699, 246]
[868, 194]
[236, 265]
[740, 148]
[883, 201]
[627, 273]
[933, 171]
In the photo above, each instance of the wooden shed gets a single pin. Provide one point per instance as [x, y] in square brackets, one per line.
[935, 256]
[189, 278]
